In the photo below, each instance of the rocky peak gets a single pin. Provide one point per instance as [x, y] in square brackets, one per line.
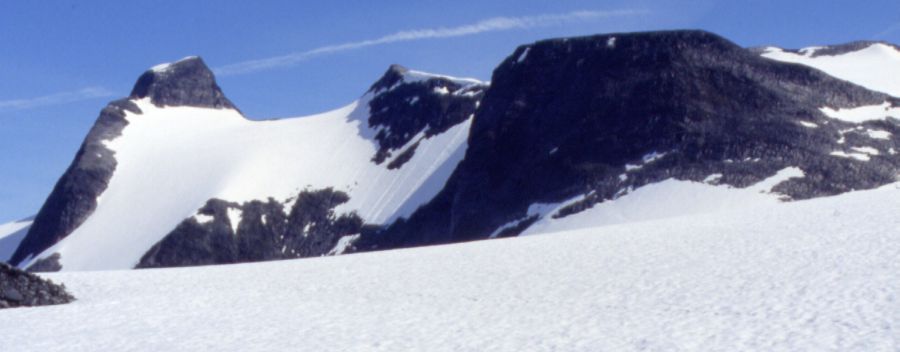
[391, 77]
[407, 104]
[187, 82]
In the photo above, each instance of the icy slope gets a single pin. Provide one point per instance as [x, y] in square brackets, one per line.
[667, 199]
[874, 65]
[172, 160]
[808, 275]
[10, 236]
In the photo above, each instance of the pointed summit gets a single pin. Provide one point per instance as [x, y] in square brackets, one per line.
[187, 82]
[405, 103]
[391, 77]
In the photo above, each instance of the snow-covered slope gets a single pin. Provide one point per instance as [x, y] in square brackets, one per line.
[667, 199]
[171, 160]
[872, 65]
[11, 235]
[816, 275]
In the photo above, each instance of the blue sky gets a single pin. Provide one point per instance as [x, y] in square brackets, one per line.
[63, 61]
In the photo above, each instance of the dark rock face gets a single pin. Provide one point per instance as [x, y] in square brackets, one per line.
[264, 232]
[21, 289]
[563, 118]
[74, 197]
[188, 82]
[404, 105]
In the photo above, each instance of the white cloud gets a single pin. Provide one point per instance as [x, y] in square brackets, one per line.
[55, 99]
[488, 25]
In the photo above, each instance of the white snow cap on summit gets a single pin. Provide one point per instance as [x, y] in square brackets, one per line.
[163, 67]
[411, 76]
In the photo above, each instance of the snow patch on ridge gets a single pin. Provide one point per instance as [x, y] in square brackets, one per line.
[713, 178]
[523, 55]
[413, 76]
[807, 124]
[875, 67]
[203, 218]
[234, 218]
[164, 67]
[863, 113]
[879, 134]
[857, 156]
[867, 150]
[646, 159]
[343, 244]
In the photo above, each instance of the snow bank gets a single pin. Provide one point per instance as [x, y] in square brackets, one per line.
[863, 113]
[666, 199]
[808, 275]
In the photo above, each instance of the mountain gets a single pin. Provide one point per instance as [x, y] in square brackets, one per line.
[570, 134]
[571, 124]
[175, 175]
[814, 275]
[869, 64]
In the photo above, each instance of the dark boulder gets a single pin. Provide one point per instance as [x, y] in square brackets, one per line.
[22, 289]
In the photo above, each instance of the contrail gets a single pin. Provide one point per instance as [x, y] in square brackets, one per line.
[488, 25]
[55, 99]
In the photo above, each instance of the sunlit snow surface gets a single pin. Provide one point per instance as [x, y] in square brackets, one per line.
[666, 199]
[876, 67]
[812, 275]
[172, 160]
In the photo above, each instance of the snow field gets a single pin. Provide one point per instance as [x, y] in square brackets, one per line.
[810, 275]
